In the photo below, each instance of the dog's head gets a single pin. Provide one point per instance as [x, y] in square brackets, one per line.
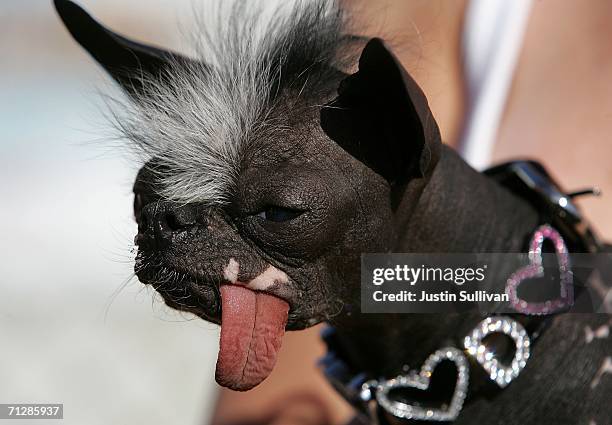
[270, 170]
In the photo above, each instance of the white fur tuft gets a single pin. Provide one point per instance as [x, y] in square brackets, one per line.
[197, 120]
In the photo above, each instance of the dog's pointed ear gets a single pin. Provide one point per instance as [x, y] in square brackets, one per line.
[382, 118]
[125, 60]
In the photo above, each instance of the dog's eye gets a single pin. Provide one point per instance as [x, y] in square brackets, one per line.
[279, 214]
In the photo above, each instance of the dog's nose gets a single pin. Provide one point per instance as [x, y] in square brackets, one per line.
[160, 221]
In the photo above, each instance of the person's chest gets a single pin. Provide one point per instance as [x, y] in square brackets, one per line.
[560, 106]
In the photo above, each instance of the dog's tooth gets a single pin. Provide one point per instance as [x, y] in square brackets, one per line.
[268, 278]
[230, 272]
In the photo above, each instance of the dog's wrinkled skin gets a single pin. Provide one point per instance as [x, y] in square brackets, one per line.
[365, 173]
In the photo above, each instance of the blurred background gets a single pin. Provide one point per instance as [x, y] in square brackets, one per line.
[71, 331]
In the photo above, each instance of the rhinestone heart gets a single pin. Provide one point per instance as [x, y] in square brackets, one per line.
[421, 381]
[535, 269]
[498, 372]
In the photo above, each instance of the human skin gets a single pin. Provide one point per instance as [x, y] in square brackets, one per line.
[560, 107]
[558, 111]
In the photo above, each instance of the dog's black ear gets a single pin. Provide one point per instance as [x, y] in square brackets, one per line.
[382, 118]
[125, 60]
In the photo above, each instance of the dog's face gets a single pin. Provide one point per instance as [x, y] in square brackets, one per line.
[304, 200]
[302, 212]
[309, 199]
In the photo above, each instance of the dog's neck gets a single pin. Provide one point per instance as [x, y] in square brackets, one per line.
[459, 210]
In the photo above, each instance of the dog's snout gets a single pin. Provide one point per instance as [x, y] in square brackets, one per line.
[159, 222]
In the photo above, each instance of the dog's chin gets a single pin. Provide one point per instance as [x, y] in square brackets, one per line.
[181, 291]
[187, 291]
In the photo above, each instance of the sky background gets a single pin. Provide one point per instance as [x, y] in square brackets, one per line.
[70, 331]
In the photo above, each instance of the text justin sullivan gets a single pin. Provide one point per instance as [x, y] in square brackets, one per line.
[443, 296]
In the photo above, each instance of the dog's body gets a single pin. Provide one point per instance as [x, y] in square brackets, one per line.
[271, 172]
[464, 211]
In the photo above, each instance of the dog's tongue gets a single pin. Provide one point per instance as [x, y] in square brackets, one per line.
[252, 328]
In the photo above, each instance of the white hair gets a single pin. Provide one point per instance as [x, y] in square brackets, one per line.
[197, 119]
